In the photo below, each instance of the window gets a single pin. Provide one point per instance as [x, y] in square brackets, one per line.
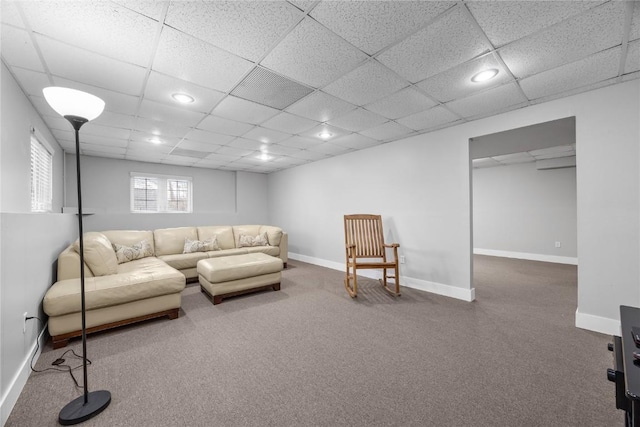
[41, 174]
[160, 193]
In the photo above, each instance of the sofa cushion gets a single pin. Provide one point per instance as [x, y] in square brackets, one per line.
[136, 280]
[269, 250]
[210, 244]
[98, 254]
[130, 237]
[224, 235]
[170, 241]
[183, 261]
[274, 234]
[129, 253]
[227, 252]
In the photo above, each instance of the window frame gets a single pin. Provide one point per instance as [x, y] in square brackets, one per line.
[39, 146]
[162, 198]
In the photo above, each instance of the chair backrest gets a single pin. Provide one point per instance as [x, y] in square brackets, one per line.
[365, 231]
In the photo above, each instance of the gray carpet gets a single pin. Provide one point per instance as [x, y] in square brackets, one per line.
[310, 355]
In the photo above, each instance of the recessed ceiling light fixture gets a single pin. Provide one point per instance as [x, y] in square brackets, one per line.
[155, 140]
[264, 157]
[183, 98]
[325, 134]
[484, 75]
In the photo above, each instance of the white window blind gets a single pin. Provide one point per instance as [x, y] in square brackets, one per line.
[41, 175]
[160, 193]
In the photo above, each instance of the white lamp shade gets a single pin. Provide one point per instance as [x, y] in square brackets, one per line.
[71, 102]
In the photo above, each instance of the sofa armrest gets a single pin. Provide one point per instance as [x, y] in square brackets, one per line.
[284, 247]
[69, 265]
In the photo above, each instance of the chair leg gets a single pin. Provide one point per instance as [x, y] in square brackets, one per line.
[385, 285]
[352, 291]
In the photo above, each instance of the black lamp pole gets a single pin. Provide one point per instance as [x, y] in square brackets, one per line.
[89, 404]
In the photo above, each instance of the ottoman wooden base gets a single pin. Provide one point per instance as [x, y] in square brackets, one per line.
[217, 299]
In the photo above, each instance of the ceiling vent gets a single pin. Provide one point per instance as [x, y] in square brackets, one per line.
[270, 89]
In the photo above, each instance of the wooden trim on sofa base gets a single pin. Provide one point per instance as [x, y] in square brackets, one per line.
[217, 299]
[60, 341]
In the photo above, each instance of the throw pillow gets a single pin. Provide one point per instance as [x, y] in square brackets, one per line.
[210, 244]
[129, 253]
[259, 240]
[98, 253]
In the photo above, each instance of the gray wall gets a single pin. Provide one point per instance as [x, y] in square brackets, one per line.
[421, 186]
[30, 243]
[219, 197]
[517, 208]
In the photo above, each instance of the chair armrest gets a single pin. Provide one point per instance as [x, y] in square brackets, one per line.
[352, 245]
[391, 245]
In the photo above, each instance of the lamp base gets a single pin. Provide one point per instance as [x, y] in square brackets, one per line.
[76, 411]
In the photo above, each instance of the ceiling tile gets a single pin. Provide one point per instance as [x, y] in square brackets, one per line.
[92, 128]
[235, 151]
[245, 28]
[10, 14]
[150, 8]
[98, 26]
[175, 115]
[109, 118]
[113, 101]
[447, 42]
[101, 154]
[248, 144]
[143, 139]
[597, 67]
[355, 141]
[301, 142]
[101, 149]
[401, 104]
[188, 144]
[287, 161]
[89, 68]
[161, 129]
[18, 49]
[68, 134]
[31, 81]
[224, 126]
[57, 122]
[597, 29]
[373, 25]
[330, 148]
[242, 110]
[323, 128]
[555, 155]
[387, 131]
[486, 162]
[321, 107]
[185, 152]
[357, 120]
[160, 88]
[313, 55]
[559, 149]
[268, 88]
[456, 82]
[491, 100]
[514, 156]
[289, 123]
[222, 157]
[506, 21]
[265, 135]
[170, 159]
[428, 119]
[367, 83]
[207, 137]
[633, 57]
[634, 32]
[310, 155]
[188, 58]
[281, 150]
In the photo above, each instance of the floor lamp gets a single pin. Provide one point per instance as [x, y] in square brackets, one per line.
[79, 108]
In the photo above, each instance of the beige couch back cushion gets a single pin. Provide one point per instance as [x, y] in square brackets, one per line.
[223, 233]
[98, 254]
[274, 234]
[171, 240]
[247, 230]
[129, 237]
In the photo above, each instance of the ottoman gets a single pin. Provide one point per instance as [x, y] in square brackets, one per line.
[235, 275]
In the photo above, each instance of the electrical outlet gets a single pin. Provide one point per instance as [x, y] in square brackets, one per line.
[24, 322]
[558, 244]
[401, 259]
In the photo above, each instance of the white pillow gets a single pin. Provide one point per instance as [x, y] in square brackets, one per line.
[191, 246]
[129, 253]
[259, 240]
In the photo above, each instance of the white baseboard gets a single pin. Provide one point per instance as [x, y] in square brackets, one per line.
[604, 325]
[524, 255]
[409, 282]
[20, 379]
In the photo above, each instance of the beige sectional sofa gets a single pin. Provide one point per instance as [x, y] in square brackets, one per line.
[142, 281]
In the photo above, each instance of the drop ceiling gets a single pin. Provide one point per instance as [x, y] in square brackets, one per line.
[269, 77]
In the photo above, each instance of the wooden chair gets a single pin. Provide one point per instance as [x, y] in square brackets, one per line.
[365, 249]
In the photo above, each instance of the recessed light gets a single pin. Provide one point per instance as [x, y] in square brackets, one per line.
[325, 135]
[183, 98]
[485, 75]
[155, 140]
[264, 157]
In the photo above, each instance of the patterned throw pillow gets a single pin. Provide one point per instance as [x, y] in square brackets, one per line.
[259, 240]
[129, 253]
[210, 244]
